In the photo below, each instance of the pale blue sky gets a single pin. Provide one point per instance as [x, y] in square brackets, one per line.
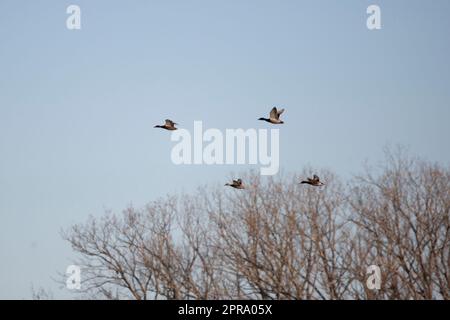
[77, 108]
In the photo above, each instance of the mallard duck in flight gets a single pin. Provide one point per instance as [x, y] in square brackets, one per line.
[314, 181]
[237, 184]
[274, 116]
[168, 125]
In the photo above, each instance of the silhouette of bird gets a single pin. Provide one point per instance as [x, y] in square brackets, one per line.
[237, 184]
[274, 116]
[168, 125]
[315, 181]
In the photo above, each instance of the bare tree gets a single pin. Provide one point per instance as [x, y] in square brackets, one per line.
[402, 219]
[278, 239]
[282, 240]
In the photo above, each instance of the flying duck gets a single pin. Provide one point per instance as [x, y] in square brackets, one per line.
[169, 125]
[274, 116]
[237, 184]
[315, 181]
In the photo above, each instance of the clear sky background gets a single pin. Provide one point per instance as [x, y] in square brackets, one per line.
[77, 108]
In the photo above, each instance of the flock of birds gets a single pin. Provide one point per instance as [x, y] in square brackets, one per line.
[274, 118]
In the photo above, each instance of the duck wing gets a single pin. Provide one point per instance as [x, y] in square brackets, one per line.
[273, 113]
[237, 182]
[280, 112]
[170, 123]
